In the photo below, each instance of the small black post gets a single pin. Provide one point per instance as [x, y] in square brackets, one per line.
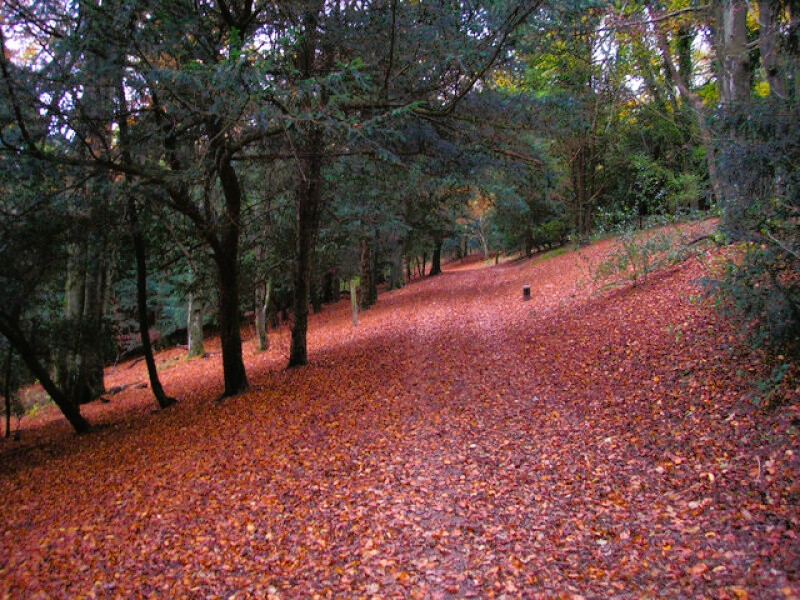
[526, 292]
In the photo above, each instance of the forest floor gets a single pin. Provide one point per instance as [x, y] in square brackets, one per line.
[458, 443]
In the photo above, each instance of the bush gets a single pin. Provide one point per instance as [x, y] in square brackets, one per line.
[640, 253]
[551, 233]
[761, 286]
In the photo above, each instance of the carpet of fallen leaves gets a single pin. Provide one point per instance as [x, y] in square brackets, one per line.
[458, 443]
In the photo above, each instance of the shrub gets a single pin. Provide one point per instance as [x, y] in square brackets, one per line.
[761, 286]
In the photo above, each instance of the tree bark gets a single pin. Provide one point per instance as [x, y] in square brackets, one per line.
[235, 377]
[80, 362]
[27, 353]
[368, 288]
[227, 259]
[769, 36]
[141, 272]
[308, 200]
[141, 302]
[436, 259]
[396, 270]
[696, 104]
[732, 52]
[7, 391]
[263, 293]
[194, 326]
[354, 302]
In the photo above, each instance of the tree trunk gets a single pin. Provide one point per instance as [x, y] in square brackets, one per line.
[227, 259]
[396, 270]
[368, 287]
[315, 295]
[529, 242]
[263, 293]
[141, 302]
[94, 345]
[732, 52]
[793, 52]
[7, 391]
[26, 352]
[194, 326]
[141, 273]
[769, 36]
[330, 287]
[436, 259]
[354, 302]
[696, 104]
[308, 200]
[80, 362]
[233, 370]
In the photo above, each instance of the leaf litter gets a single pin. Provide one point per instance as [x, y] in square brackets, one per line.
[458, 443]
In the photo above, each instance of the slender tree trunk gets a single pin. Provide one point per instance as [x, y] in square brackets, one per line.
[80, 361]
[396, 270]
[194, 326]
[529, 241]
[696, 104]
[793, 43]
[436, 259]
[315, 292]
[27, 353]
[367, 275]
[141, 272]
[141, 302]
[8, 388]
[354, 302]
[330, 287]
[93, 366]
[263, 293]
[308, 200]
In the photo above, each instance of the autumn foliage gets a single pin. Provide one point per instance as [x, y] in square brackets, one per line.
[458, 443]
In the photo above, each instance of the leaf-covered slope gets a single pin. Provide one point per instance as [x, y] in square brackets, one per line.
[458, 443]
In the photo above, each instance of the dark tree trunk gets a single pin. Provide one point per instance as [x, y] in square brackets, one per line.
[316, 295]
[227, 259]
[330, 288]
[141, 275]
[367, 276]
[141, 302]
[436, 259]
[396, 270]
[8, 389]
[26, 352]
[79, 362]
[308, 200]
[230, 334]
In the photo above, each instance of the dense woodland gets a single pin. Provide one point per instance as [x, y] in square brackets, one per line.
[175, 167]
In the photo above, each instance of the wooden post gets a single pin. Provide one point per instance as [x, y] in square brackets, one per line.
[526, 293]
[354, 302]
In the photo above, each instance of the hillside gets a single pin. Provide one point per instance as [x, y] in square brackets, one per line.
[458, 443]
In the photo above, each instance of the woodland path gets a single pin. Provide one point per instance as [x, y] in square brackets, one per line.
[458, 443]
